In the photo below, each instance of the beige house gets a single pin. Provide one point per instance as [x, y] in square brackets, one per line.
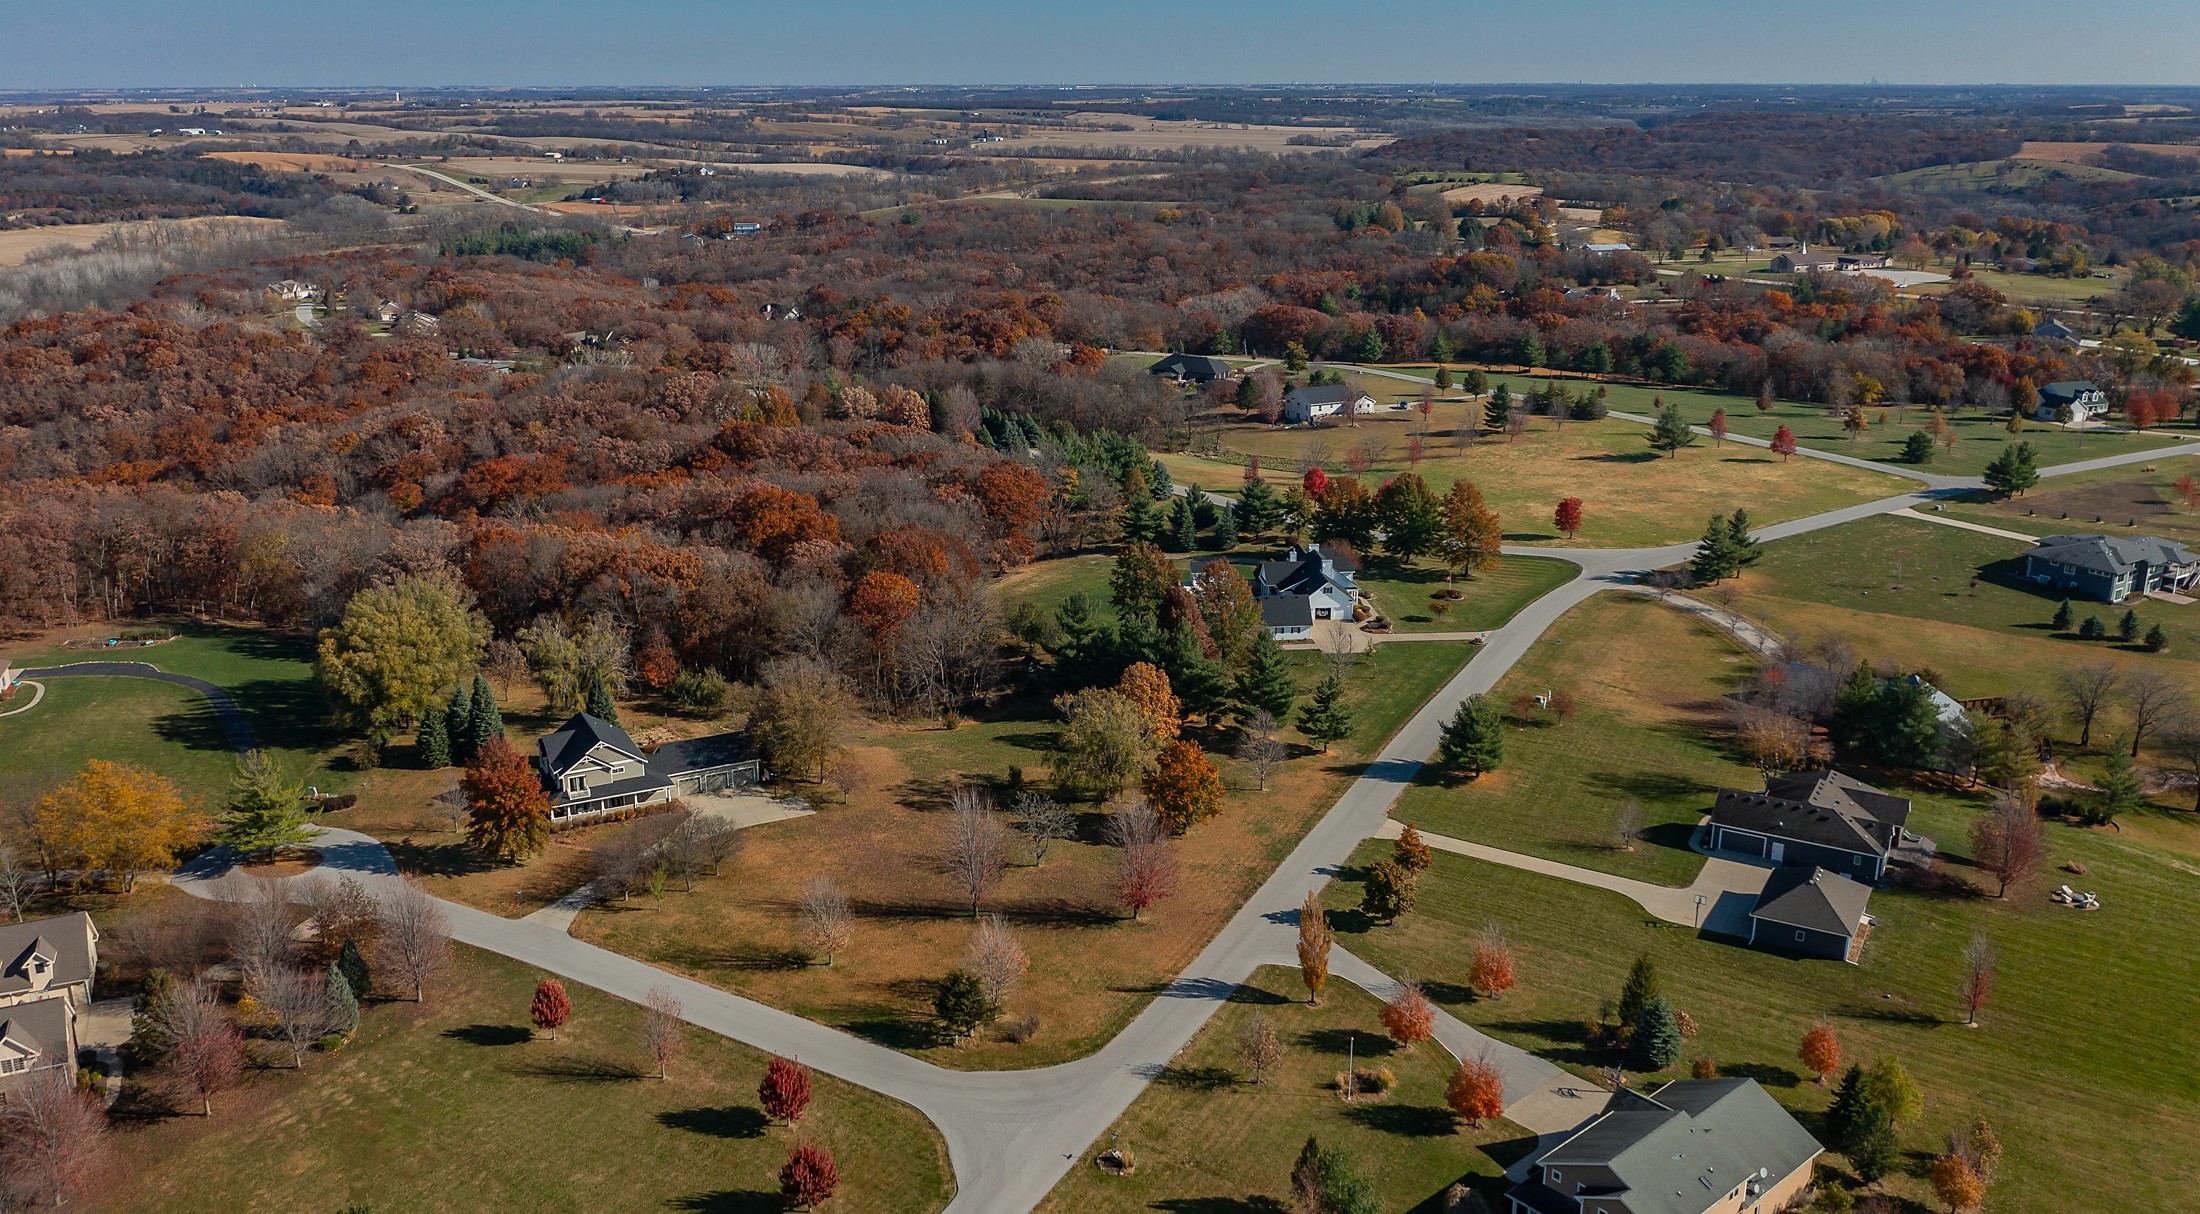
[46, 969]
[1694, 1146]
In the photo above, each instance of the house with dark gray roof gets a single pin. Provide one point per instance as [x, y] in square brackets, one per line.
[1812, 912]
[1694, 1146]
[1288, 617]
[1306, 584]
[1191, 368]
[1312, 402]
[2055, 331]
[1820, 819]
[591, 767]
[46, 972]
[2071, 400]
[2112, 568]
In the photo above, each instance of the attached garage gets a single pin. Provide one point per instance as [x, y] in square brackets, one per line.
[719, 763]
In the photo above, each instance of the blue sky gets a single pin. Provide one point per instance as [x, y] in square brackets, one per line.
[90, 43]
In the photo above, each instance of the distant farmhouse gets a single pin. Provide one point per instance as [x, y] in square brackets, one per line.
[1803, 261]
[2055, 331]
[1306, 585]
[1309, 403]
[1818, 819]
[1694, 1146]
[2071, 400]
[1192, 368]
[46, 968]
[2111, 568]
[591, 767]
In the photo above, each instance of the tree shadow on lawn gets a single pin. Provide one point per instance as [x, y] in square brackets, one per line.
[1198, 1078]
[287, 714]
[1529, 537]
[1404, 1120]
[581, 1068]
[1449, 994]
[1765, 1074]
[896, 1032]
[197, 727]
[731, 1201]
[730, 1121]
[490, 1034]
[1562, 1040]
[1651, 786]
[454, 859]
[745, 958]
[1623, 457]
[1219, 1205]
[1348, 1042]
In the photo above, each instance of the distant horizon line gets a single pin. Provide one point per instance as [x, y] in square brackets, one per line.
[1084, 86]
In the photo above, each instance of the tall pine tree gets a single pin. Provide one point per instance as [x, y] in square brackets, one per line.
[1198, 680]
[1258, 510]
[1183, 532]
[1265, 684]
[1714, 557]
[433, 741]
[1226, 529]
[600, 704]
[1325, 719]
[458, 718]
[1473, 741]
[483, 722]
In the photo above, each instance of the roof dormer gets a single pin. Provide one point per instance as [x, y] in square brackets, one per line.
[35, 964]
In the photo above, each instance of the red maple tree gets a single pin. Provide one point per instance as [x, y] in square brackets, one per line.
[785, 1090]
[1783, 443]
[1409, 1017]
[1476, 1091]
[551, 1007]
[1568, 516]
[809, 1177]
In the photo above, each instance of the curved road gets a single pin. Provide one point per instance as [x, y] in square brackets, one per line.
[1012, 1135]
[225, 708]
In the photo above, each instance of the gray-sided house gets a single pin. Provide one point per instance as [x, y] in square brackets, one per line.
[1311, 402]
[1305, 585]
[1694, 1146]
[2055, 331]
[1191, 368]
[1819, 819]
[1812, 912]
[2071, 400]
[2112, 568]
[46, 969]
[591, 767]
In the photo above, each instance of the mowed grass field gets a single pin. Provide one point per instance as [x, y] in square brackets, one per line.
[2134, 499]
[1206, 1138]
[1632, 497]
[171, 729]
[449, 1105]
[1902, 592]
[1091, 969]
[1648, 681]
[2082, 1062]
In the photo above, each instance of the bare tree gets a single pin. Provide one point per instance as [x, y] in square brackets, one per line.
[2181, 743]
[416, 934]
[827, 925]
[206, 1054]
[1259, 748]
[53, 1140]
[970, 849]
[1343, 645]
[661, 1016]
[297, 1003]
[2007, 842]
[698, 845]
[16, 882]
[340, 910]
[1145, 870]
[2155, 700]
[623, 863]
[456, 812]
[1043, 822]
[996, 958]
[1627, 824]
[2087, 688]
[1258, 1046]
[1978, 976]
[263, 936]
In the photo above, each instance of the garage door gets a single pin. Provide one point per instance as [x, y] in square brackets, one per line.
[1748, 845]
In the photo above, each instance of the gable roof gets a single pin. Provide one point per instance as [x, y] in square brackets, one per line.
[2110, 554]
[1812, 898]
[2053, 328]
[1683, 1148]
[66, 939]
[1323, 394]
[1192, 366]
[699, 754]
[2068, 389]
[1823, 807]
[40, 1028]
[1287, 611]
[581, 733]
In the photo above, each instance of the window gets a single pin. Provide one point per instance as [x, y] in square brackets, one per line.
[1557, 1176]
[576, 784]
[1799, 936]
[14, 1066]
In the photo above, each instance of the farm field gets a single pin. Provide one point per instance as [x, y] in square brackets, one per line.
[1091, 969]
[19, 245]
[2082, 153]
[2077, 1110]
[1206, 1137]
[1632, 497]
[377, 1124]
[1649, 682]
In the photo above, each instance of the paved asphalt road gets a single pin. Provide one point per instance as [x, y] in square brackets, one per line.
[1012, 1135]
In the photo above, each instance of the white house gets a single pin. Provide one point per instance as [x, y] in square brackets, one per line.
[1307, 585]
[2071, 400]
[1308, 403]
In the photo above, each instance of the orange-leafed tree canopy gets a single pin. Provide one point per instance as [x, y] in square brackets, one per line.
[508, 814]
[115, 817]
[1409, 1017]
[551, 1007]
[1476, 1091]
[1820, 1051]
[1147, 686]
[1184, 787]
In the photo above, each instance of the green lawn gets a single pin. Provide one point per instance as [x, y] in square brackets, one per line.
[1206, 1138]
[1049, 584]
[169, 728]
[2135, 499]
[1979, 438]
[2083, 1062]
[1647, 681]
[2030, 288]
[1901, 591]
[1487, 600]
[450, 1106]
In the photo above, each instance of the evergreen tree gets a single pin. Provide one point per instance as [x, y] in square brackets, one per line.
[1258, 510]
[1198, 680]
[1642, 986]
[1370, 349]
[1441, 349]
[1841, 1113]
[1444, 380]
[267, 809]
[1141, 521]
[1083, 644]
[148, 1042]
[1918, 448]
[1226, 531]
[1714, 552]
[2117, 789]
[1183, 530]
[1889, 721]
[1265, 685]
[1739, 542]
[2127, 628]
[2092, 629]
[1671, 431]
[960, 1004]
[1325, 718]
[2064, 617]
[2157, 639]
[458, 718]
[1501, 403]
[433, 741]
[1655, 1043]
[1248, 394]
[483, 721]
[2013, 471]
[1473, 741]
[1158, 482]
[599, 704]
[1873, 1151]
[1412, 518]
[343, 1003]
[353, 963]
